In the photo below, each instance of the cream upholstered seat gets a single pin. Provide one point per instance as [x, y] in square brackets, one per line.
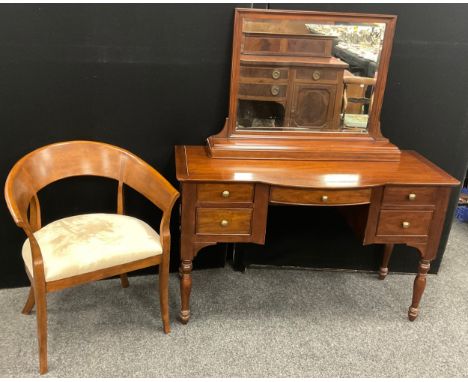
[86, 243]
[86, 248]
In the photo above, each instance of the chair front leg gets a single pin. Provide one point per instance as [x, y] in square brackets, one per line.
[41, 316]
[164, 292]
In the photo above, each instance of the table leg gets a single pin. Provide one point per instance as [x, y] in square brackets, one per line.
[418, 289]
[185, 273]
[383, 271]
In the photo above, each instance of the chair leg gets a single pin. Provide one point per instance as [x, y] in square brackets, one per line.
[29, 303]
[41, 316]
[164, 295]
[124, 280]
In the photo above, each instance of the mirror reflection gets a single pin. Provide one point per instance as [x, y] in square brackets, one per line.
[307, 75]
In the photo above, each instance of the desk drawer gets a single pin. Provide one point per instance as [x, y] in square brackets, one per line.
[223, 221]
[409, 196]
[404, 223]
[225, 192]
[286, 195]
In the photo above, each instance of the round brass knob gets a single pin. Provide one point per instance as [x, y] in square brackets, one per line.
[225, 194]
[316, 75]
[276, 74]
[412, 196]
[324, 198]
[275, 90]
[405, 224]
[224, 223]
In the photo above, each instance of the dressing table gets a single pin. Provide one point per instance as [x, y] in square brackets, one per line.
[287, 141]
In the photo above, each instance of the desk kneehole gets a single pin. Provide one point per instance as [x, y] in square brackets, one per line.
[318, 197]
[223, 221]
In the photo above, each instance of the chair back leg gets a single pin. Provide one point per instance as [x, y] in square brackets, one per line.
[29, 302]
[124, 280]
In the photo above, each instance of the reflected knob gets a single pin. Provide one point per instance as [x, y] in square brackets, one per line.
[276, 74]
[275, 90]
[324, 198]
[405, 224]
[224, 223]
[225, 194]
[412, 196]
[316, 75]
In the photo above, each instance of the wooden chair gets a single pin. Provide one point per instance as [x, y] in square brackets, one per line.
[61, 255]
[354, 98]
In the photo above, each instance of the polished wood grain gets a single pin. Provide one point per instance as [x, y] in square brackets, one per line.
[404, 222]
[222, 221]
[62, 160]
[409, 196]
[225, 192]
[379, 190]
[194, 164]
[288, 195]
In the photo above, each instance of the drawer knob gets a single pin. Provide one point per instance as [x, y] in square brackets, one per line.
[275, 90]
[276, 74]
[225, 194]
[405, 224]
[324, 198]
[412, 196]
[224, 223]
[316, 75]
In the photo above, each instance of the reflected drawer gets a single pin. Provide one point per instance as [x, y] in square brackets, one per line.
[286, 195]
[409, 196]
[294, 46]
[317, 74]
[404, 223]
[220, 221]
[225, 192]
[271, 74]
[262, 90]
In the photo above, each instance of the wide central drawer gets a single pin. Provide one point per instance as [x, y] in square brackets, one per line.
[285, 195]
[221, 221]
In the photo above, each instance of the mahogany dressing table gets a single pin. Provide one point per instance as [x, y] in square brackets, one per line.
[287, 141]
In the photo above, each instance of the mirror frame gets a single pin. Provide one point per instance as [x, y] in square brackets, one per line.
[231, 139]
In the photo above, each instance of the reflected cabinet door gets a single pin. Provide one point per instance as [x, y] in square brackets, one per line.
[313, 106]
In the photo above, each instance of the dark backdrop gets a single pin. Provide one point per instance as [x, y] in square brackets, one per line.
[148, 77]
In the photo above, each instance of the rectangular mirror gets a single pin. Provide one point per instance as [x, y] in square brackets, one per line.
[307, 75]
[307, 85]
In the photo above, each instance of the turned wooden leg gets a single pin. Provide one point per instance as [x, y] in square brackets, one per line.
[185, 273]
[30, 302]
[41, 316]
[383, 271]
[124, 280]
[164, 294]
[418, 288]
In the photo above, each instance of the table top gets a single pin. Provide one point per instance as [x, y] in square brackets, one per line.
[194, 165]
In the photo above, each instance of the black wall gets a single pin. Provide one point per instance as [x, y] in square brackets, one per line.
[148, 77]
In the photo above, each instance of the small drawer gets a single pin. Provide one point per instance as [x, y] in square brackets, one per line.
[272, 74]
[409, 196]
[225, 192]
[404, 223]
[262, 90]
[319, 197]
[221, 221]
[316, 74]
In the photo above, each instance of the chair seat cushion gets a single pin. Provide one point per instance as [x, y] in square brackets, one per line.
[85, 243]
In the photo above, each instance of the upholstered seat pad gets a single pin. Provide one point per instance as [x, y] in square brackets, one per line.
[85, 243]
